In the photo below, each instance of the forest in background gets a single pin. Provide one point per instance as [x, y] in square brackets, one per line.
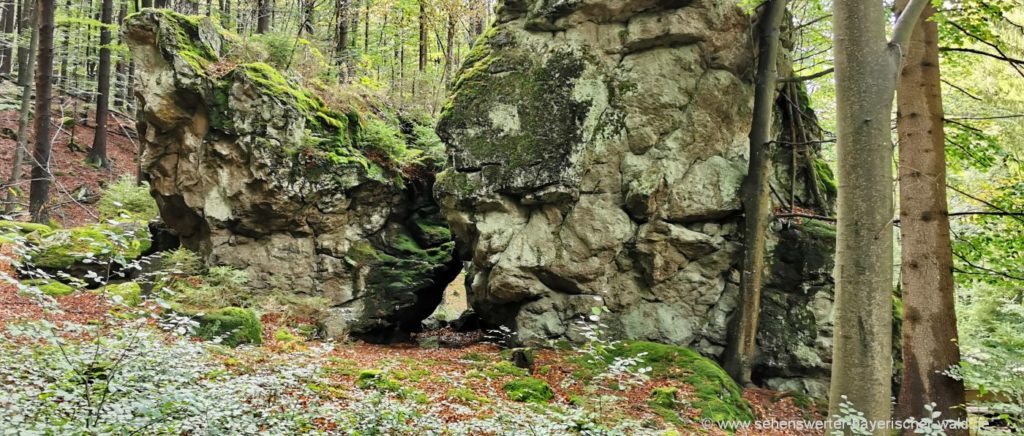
[407, 52]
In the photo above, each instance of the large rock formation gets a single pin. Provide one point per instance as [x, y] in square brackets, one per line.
[596, 152]
[255, 172]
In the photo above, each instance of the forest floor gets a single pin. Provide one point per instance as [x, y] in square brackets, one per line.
[479, 369]
[76, 184]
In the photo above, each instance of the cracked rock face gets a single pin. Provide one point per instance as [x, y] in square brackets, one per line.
[254, 172]
[597, 150]
[596, 154]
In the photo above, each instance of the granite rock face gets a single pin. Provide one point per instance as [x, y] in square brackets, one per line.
[255, 172]
[596, 154]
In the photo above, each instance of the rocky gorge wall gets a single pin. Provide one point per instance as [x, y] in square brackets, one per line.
[255, 172]
[596, 153]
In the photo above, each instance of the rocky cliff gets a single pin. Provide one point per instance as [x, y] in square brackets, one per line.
[596, 152]
[256, 172]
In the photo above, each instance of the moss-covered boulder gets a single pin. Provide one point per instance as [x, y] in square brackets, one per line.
[79, 250]
[256, 171]
[52, 288]
[128, 293]
[528, 390]
[714, 393]
[234, 325]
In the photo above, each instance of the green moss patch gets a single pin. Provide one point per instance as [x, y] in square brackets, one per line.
[52, 288]
[130, 293]
[377, 380]
[529, 390]
[234, 324]
[62, 249]
[23, 228]
[466, 395]
[717, 396]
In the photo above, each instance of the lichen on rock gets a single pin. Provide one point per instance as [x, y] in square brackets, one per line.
[597, 151]
[255, 171]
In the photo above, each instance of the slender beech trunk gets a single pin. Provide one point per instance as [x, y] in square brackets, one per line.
[422, 42]
[366, 27]
[740, 353]
[39, 192]
[866, 66]
[7, 51]
[225, 14]
[449, 49]
[26, 73]
[929, 317]
[263, 16]
[341, 50]
[65, 49]
[98, 153]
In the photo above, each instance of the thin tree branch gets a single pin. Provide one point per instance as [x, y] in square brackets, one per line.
[821, 73]
[964, 91]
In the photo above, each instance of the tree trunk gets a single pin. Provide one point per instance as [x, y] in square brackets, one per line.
[40, 188]
[225, 14]
[740, 353]
[65, 48]
[449, 50]
[26, 73]
[866, 65]
[929, 316]
[341, 54]
[423, 36]
[98, 154]
[263, 16]
[6, 63]
[366, 28]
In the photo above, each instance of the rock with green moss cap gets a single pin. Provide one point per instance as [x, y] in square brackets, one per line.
[233, 325]
[80, 250]
[528, 390]
[257, 172]
[50, 287]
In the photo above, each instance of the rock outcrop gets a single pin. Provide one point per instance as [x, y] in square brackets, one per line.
[596, 153]
[256, 172]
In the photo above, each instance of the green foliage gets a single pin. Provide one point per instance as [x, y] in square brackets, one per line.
[528, 390]
[124, 199]
[234, 325]
[278, 48]
[182, 262]
[220, 286]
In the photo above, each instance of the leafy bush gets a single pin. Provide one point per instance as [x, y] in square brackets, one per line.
[220, 286]
[124, 199]
[181, 263]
